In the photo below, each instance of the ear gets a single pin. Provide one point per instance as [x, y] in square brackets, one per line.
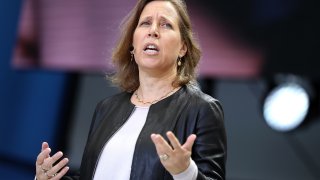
[183, 50]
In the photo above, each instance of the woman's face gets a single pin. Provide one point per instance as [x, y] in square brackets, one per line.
[157, 41]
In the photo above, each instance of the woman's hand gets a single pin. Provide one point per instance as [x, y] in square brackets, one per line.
[48, 167]
[175, 158]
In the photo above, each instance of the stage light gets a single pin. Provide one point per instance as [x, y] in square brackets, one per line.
[287, 105]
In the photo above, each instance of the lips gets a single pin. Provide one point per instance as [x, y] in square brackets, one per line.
[151, 48]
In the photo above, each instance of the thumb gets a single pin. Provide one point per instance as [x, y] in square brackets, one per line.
[189, 143]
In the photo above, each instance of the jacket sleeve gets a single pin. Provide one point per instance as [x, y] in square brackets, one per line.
[210, 148]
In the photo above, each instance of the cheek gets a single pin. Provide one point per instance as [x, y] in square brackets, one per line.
[134, 39]
[137, 35]
[173, 45]
[173, 39]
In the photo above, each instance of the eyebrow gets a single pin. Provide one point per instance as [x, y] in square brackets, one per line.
[161, 18]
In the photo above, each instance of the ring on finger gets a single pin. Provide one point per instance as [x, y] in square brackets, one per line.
[164, 157]
[50, 176]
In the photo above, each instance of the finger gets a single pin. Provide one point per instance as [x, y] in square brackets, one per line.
[161, 145]
[189, 143]
[58, 166]
[173, 140]
[48, 162]
[44, 154]
[45, 145]
[160, 141]
[56, 157]
[61, 173]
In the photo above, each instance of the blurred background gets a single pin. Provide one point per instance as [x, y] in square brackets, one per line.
[54, 56]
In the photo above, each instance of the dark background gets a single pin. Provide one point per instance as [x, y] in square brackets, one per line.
[56, 106]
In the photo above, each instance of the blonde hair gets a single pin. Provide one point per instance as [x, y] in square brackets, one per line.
[127, 74]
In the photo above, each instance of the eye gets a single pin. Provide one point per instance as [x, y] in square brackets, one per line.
[166, 25]
[144, 23]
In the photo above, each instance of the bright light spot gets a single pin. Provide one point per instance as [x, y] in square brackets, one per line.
[286, 107]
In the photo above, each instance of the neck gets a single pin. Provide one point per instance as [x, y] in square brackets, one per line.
[154, 88]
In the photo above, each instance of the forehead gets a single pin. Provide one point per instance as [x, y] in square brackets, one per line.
[160, 8]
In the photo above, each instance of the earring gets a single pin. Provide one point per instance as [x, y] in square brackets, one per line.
[179, 61]
[131, 52]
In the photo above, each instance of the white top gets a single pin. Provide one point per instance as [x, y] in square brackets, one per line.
[116, 158]
[118, 152]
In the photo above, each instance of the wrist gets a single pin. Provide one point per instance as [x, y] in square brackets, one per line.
[190, 173]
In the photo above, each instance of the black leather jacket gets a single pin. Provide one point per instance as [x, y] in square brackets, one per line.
[185, 112]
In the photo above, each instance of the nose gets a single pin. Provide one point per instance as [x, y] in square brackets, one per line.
[153, 32]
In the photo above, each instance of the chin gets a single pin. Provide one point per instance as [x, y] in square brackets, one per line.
[149, 62]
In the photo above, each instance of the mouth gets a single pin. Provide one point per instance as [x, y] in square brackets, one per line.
[151, 49]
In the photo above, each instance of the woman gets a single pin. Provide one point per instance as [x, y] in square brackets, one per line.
[136, 134]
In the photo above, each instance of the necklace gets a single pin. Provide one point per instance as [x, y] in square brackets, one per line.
[154, 101]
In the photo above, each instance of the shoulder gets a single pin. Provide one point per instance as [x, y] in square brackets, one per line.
[204, 102]
[113, 100]
[109, 105]
[200, 98]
